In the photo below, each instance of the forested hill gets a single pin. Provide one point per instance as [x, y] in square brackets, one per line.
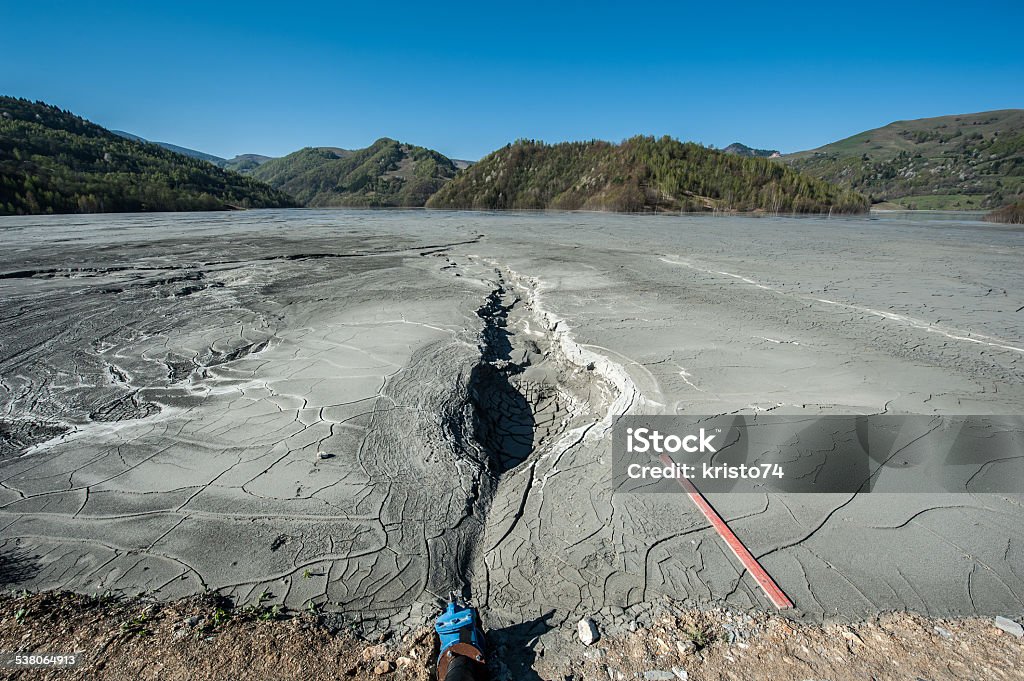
[640, 174]
[52, 161]
[387, 173]
[741, 149]
[967, 161]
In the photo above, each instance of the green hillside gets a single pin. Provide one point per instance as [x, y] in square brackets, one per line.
[952, 162]
[387, 173]
[640, 174]
[52, 161]
[244, 163]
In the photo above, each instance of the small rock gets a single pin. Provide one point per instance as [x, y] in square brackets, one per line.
[686, 647]
[404, 662]
[1009, 626]
[680, 673]
[382, 667]
[852, 637]
[658, 675]
[944, 633]
[192, 621]
[373, 652]
[324, 455]
[587, 631]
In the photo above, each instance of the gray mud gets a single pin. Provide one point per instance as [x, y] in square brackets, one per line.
[168, 382]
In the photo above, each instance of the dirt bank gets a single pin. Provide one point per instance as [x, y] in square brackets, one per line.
[206, 638]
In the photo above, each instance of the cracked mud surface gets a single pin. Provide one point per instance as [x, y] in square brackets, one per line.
[167, 384]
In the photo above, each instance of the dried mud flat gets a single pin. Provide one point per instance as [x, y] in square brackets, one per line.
[168, 384]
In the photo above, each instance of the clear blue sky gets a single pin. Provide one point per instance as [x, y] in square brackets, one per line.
[465, 78]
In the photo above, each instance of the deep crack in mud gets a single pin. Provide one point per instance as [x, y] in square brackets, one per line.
[521, 399]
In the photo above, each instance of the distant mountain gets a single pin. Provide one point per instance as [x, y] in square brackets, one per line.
[52, 161]
[640, 174]
[244, 163]
[951, 162]
[216, 160]
[387, 173]
[743, 150]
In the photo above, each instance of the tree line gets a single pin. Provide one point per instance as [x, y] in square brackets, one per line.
[639, 175]
[52, 161]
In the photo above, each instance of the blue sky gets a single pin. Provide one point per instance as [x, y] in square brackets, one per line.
[466, 78]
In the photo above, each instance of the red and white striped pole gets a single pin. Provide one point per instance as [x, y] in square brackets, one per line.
[775, 594]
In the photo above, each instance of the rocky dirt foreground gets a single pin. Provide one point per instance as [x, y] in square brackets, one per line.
[207, 638]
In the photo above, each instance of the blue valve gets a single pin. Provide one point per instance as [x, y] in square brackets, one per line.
[458, 628]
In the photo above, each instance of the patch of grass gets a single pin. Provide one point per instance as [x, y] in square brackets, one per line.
[272, 613]
[701, 637]
[136, 626]
[263, 612]
[942, 202]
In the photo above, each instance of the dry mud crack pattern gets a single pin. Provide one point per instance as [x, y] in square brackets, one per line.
[168, 384]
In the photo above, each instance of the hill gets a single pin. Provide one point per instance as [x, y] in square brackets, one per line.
[741, 149]
[951, 162]
[52, 161]
[244, 163]
[387, 173]
[640, 174]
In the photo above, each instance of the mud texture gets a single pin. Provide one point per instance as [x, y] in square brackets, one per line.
[361, 411]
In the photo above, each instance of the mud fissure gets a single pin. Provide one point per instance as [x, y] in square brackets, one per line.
[519, 396]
